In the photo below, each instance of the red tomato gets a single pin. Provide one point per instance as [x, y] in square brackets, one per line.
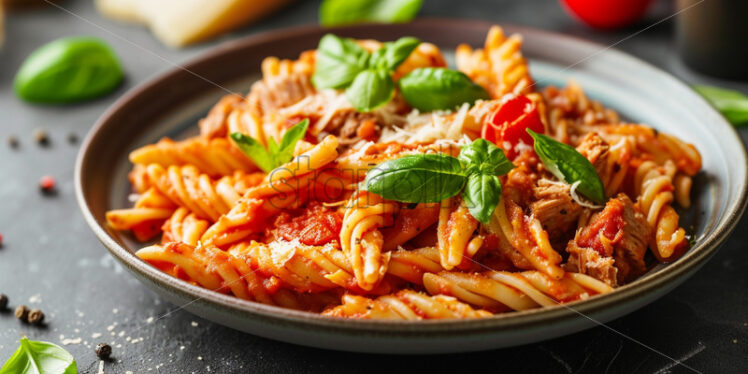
[508, 126]
[607, 14]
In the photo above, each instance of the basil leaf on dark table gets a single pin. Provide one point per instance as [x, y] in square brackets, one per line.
[338, 62]
[346, 12]
[732, 104]
[68, 70]
[429, 89]
[392, 54]
[35, 357]
[568, 165]
[482, 193]
[424, 178]
[370, 90]
[485, 158]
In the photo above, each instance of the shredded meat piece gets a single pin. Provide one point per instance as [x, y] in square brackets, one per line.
[279, 91]
[520, 181]
[355, 126]
[619, 232]
[595, 149]
[555, 208]
[214, 124]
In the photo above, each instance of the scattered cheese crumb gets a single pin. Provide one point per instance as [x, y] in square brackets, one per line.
[128, 372]
[200, 358]
[193, 323]
[101, 367]
[121, 333]
[71, 341]
[149, 320]
[35, 299]
[115, 310]
[111, 327]
[96, 335]
[181, 348]
[735, 341]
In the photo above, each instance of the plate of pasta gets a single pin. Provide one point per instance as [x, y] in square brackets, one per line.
[437, 186]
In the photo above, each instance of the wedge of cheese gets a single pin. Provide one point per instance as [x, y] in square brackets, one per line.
[181, 22]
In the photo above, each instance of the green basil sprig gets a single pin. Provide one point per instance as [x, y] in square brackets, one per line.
[346, 12]
[68, 70]
[568, 165]
[276, 154]
[428, 89]
[367, 78]
[35, 357]
[430, 178]
[732, 104]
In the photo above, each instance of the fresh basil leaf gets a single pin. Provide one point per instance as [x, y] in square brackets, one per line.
[338, 62]
[732, 104]
[284, 152]
[35, 357]
[346, 12]
[482, 156]
[568, 165]
[423, 178]
[370, 90]
[482, 193]
[273, 146]
[255, 151]
[68, 70]
[392, 54]
[428, 89]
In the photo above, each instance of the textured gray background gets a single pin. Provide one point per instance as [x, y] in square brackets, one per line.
[50, 259]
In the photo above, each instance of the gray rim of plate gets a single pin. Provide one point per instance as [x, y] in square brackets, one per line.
[282, 317]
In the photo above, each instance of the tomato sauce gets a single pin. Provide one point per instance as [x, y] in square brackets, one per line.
[317, 225]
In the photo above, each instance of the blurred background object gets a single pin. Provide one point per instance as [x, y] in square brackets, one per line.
[607, 14]
[712, 38]
[181, 22]
[2, 23]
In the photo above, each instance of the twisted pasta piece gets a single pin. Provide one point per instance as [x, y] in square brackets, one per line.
[217, 270]
[145, 218]
[215, 157]
[207, 198]
[499, 67]
[184, 227]
[424, 56]
[405, 304]
[526, 236]
[287, 186]
[455, 233]
[501, 290]
[567, 109]
[361, 239]
[653, 185]
[214, 125]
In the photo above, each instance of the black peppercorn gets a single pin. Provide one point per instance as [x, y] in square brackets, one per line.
[41, 137]
[3, 301]
[13, 141]
[35, 317]
[22, 312]
[103, 350]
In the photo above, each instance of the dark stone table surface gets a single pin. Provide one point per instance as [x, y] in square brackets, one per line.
[50, 259]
